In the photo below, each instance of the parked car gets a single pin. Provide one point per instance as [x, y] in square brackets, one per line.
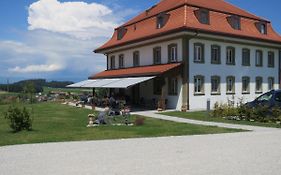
[270, 99]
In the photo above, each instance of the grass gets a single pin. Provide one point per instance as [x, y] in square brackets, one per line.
[203, 116]
[2, 92]
[55, 123]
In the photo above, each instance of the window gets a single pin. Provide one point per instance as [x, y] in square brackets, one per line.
[270, 83]
[112, 62]
[265, 97]
[262, 27]
[203, 16]
[215, 54]
[259, 59]
[198, 53]
[245, 85]
[157, 55]
[173, 86]
[258, 85]
[173, 53]
[230, 55]
[121, 33]
[230, 85]
[121, 61]
[215, 85]
[136, 59]
[161, 20]
[157, 86]
[235, 22]
[199, 85]
[246, 61]
[271, 59]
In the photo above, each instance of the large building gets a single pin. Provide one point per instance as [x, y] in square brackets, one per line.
[189, 52]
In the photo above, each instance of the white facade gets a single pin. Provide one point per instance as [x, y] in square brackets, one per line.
[206, 69]
[146, 54]
[223, 70]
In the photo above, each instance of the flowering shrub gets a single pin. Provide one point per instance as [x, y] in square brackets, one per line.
[242, 112]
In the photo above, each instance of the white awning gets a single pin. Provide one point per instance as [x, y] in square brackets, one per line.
[112, 83]
[80, 84]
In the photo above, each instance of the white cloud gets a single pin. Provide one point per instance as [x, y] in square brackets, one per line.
[60, 40]
[37, 68]
[47, 53]
[78, 19]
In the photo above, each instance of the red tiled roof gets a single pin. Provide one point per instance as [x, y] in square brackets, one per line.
[182, 17]
[136, 71]
[217, 5]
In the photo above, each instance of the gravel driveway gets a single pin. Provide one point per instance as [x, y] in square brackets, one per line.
[248, 153]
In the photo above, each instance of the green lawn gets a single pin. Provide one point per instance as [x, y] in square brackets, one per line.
[2, 92]
[56, 122]
[203, 116]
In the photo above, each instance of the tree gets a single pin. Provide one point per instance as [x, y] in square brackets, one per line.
[29, 90]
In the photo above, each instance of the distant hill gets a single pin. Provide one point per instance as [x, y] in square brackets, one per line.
[38, 84]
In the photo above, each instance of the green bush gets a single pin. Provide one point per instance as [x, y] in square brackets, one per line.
[242, 112]
[19, 119]
[224, 110]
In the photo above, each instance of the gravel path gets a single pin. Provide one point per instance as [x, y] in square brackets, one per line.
[250, 153]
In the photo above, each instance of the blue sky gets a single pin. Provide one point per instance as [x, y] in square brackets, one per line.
[54, 39]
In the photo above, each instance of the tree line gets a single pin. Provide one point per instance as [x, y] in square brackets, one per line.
[37, 84]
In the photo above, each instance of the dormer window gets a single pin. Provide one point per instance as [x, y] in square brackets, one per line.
[121, 33]
[235, 22]
[162, 19]
[160, 22]
[262, 27]
[203, 16]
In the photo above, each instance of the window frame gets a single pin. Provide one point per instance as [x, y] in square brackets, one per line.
[218, 79]
[233, 55]
[248, 51]
[161, 20]
[112, 62]
[271, 63]
[248, 81]
[200, 16]
[155, 56]
[202, 59]
[202, 85]
[235, 22]
[213, 47]
[261, 58]
[121, 61]
[136, 60]
[173, 86]
[121, 32]
[260, 25]
[273, 83]
[259, 91]
[170, 53]
[232, 78]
